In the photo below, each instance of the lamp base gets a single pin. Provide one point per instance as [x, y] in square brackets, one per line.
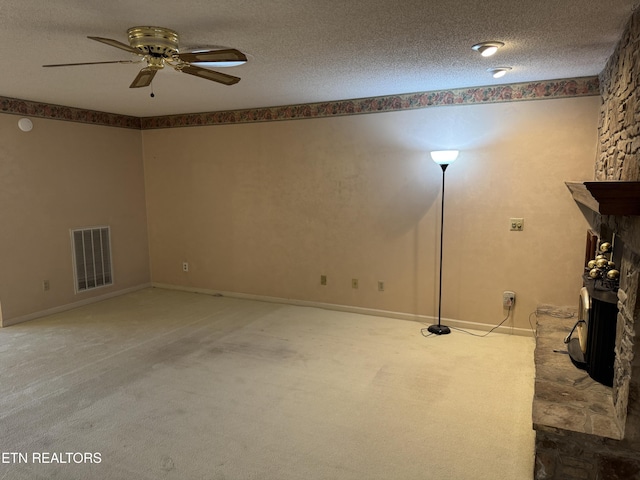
[439, 329]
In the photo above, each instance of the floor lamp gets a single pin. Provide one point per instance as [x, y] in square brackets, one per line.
[442, 158]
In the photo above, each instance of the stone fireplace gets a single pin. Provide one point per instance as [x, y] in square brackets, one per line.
[585, 430]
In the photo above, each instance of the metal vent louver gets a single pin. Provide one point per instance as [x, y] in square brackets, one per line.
[92, 258]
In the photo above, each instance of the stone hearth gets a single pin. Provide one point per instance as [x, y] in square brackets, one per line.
[578, 436]
[566, 398]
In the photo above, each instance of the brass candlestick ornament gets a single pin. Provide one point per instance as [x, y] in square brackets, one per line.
[603, 270]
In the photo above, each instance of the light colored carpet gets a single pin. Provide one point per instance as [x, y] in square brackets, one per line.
[166, 384]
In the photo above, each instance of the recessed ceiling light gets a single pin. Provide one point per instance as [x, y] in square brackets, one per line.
[486, 49]
[499, 71]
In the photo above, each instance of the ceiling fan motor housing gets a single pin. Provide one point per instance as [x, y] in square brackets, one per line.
[155, 41]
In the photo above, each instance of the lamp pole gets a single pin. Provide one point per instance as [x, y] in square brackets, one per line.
[442, 158]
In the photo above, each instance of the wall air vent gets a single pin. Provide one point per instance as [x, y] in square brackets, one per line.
[91, 258]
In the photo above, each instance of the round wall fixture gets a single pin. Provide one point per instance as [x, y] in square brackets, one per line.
[25, 124]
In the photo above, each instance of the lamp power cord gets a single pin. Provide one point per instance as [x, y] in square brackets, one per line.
[470, 333]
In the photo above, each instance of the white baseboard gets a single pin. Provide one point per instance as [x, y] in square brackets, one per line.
[71, 306]
[427, 320]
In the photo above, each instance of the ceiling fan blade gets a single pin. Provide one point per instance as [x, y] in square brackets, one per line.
[144, 78]
[117, 44]
[209, 74]
[91, 63]
[226, 55]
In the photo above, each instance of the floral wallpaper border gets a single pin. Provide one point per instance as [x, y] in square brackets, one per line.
[573, 87]
[70, 114]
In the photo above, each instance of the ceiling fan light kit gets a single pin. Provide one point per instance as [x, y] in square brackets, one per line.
[159, 46]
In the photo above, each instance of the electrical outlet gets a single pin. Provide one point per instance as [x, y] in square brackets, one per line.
[381, 286]
[354, 283]
[185, 266]
[517, 224]
[323, 279]
[508, 299]
[45, 285]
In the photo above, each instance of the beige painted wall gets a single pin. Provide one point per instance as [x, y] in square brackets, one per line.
[266, 208]
[59, 176]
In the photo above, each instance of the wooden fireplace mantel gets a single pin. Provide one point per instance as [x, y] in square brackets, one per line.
[609, 197]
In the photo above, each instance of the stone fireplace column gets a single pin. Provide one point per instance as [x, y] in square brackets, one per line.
[626, 386]
[619, 159]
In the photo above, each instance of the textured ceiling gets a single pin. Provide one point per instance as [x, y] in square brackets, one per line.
[300, 51]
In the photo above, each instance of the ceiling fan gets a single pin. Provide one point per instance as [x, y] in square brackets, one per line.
[158, 46]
